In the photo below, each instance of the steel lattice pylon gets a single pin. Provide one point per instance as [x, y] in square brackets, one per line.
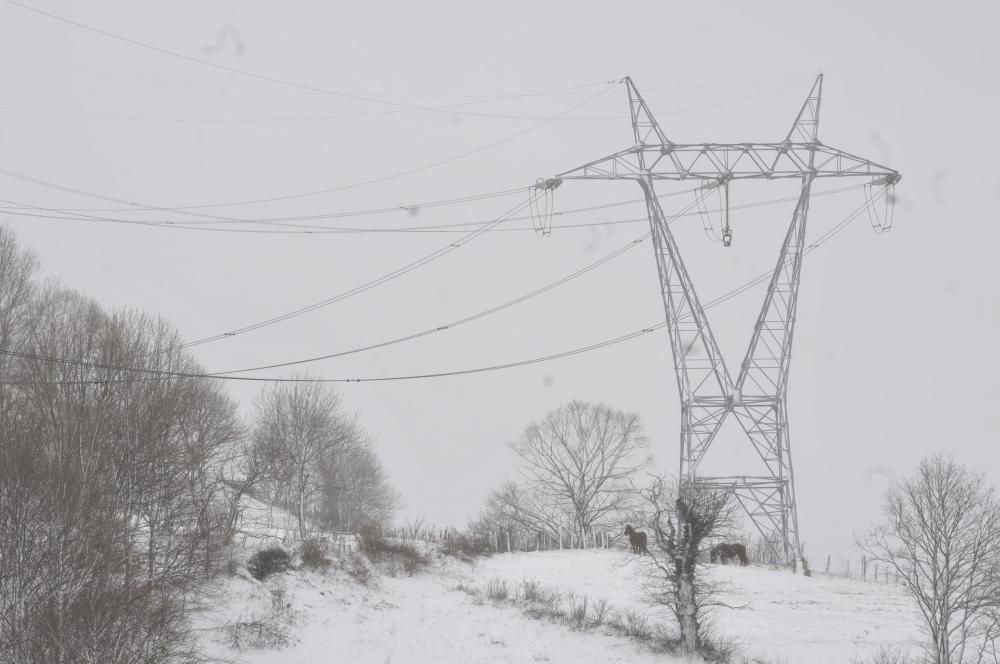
[708, 393]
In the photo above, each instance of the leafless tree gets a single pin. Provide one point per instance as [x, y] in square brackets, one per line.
[356, 491]
[579, 458]
[106, 482]
[683, 520]
[302, 426]
[942, 537]
[524, 509]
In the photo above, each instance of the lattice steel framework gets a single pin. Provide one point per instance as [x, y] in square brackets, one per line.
[708, 393]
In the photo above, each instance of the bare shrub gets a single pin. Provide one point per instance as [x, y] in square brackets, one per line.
[497, 590]
[314, 554]
[633, 623]
[465, 546]
[600, 613]
[257, 632]
[360, 569]
[577, 610]
[475, 592]
[531, 590]
[885, 655]
[392, 556]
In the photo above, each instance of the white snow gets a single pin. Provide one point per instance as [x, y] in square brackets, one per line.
[784, 617]
[406, 620]
[423, 618]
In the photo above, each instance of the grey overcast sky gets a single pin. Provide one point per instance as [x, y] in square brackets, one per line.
[895, 353]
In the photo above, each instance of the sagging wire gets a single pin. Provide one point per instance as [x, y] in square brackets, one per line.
[154, 374]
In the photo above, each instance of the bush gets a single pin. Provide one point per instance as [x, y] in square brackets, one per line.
[360, 569]
[497, 590]
[314, 554]
[578, 610]
[885, 656]
[390, 556]
[465, 547]
[257, 632]
[531, 590]
[266, 562]
[600, 612]
[633, 623]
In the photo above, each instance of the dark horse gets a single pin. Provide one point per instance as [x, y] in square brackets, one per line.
[637, 539]
[726, 552]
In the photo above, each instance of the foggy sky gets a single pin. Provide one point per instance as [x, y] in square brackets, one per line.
[895, 352]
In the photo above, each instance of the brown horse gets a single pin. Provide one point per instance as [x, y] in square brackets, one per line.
[725, 552]
[637, 539]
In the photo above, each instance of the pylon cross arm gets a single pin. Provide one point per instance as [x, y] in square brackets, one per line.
[729, 161]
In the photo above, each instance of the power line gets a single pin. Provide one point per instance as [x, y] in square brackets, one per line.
[343, 116]
[378, 281]
[390, 276]
[236, 70]
[482, 314]
[162, 375]
[69, 213]
[460, 227]
[186, 210]
[477, 98]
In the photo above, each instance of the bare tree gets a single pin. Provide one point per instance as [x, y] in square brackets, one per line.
[531, 512]
[942, 537]
[579, 458]
[356, 491]
[682, 522]
[302, 427]
[106, 478]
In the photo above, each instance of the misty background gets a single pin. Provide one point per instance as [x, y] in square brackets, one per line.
[894, 356]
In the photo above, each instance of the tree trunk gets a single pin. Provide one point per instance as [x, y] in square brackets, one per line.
[302, 506]
[687, 612]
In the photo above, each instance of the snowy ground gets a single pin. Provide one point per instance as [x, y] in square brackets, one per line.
[332, 617]
[785, 617]
[419, 619]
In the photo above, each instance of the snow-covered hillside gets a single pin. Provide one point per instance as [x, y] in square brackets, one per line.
[418, 620]
[784, 617]
[331, 616]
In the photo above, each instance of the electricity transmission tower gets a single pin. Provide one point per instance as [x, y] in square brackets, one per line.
[757, 397]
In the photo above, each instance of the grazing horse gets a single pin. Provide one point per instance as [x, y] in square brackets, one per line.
[637, 539]
[725, 552]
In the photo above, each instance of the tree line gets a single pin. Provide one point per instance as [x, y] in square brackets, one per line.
[120, 491]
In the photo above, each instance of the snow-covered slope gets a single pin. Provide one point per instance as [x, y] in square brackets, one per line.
[784, 617]
[418, 620]
[331, 616]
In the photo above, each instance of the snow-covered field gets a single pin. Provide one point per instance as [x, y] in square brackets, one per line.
[333, 617]
[784, 617]
[419, 619]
